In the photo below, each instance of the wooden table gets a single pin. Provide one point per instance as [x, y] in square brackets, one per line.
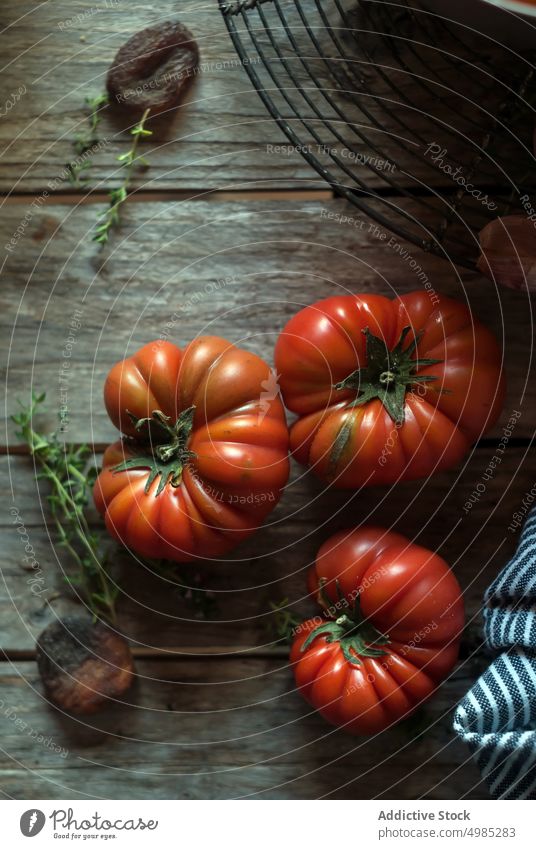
[234, 238]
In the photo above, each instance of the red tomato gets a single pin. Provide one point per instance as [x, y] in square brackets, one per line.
[206, 453]
[387, 390]
[390, 630]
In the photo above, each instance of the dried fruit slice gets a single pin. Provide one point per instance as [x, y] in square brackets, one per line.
[153, 68]
[83, 664]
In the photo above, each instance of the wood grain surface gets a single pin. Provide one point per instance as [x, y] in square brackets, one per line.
[221, 136]
[222, 235]
[271, 566]
[235, 269]
[223, 728]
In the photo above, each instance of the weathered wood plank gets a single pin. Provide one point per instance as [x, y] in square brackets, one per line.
[222, 135]
[221, 729]
[239, 270]
[449, 513]
[217, 137]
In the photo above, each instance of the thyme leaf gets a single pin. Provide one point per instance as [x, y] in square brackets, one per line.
[117, 197]
[68, 470]
[85, 140]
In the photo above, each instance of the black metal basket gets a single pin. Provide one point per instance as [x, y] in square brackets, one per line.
[390, 104]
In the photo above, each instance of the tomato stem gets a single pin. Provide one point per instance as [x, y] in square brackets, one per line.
[388, 374]
[357, 636]
[169, 452]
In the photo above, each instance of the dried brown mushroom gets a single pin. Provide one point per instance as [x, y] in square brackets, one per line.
[153, 68]
[83, 664]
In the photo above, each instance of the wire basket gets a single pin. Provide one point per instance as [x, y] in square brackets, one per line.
[424, 126]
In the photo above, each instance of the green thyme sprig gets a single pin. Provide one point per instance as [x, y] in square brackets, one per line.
[284, 621]
[85, 140]
[198, 599]
[68, 470]
[117, 197]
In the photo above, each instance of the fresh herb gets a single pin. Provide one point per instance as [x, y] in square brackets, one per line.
[76, 169]
[284, 621]
[197, 598]
[85, 140]
[68, 470]
[118, 196]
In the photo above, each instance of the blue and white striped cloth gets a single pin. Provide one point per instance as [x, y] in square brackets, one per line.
[497, 717]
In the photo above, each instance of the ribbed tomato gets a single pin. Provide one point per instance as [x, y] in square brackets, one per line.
[205, 453]
[387, 390]
[389, 631]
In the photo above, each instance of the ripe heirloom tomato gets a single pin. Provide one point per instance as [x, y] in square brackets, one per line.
[387, 390]
[390, 631]
[205, 453]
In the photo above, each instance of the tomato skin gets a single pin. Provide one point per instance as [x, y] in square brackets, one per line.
[405, 592]
[325, 342]
[239, 440]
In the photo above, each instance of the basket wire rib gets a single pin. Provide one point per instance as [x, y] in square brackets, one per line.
[393, 43]
[366, 112]
[407, 128]
[487, 92]
[372, 145]
[355, 84]
[360, 182]
[392, 40]
[362, 185]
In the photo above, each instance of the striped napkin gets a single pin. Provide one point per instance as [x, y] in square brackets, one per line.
[497, 717]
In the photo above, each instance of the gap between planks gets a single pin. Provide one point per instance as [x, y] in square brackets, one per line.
[172, 653]
[140, 195]
[163, 195]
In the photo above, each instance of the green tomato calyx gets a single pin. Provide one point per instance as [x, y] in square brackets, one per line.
[165, 452]
[357, 636]
[388, 375]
